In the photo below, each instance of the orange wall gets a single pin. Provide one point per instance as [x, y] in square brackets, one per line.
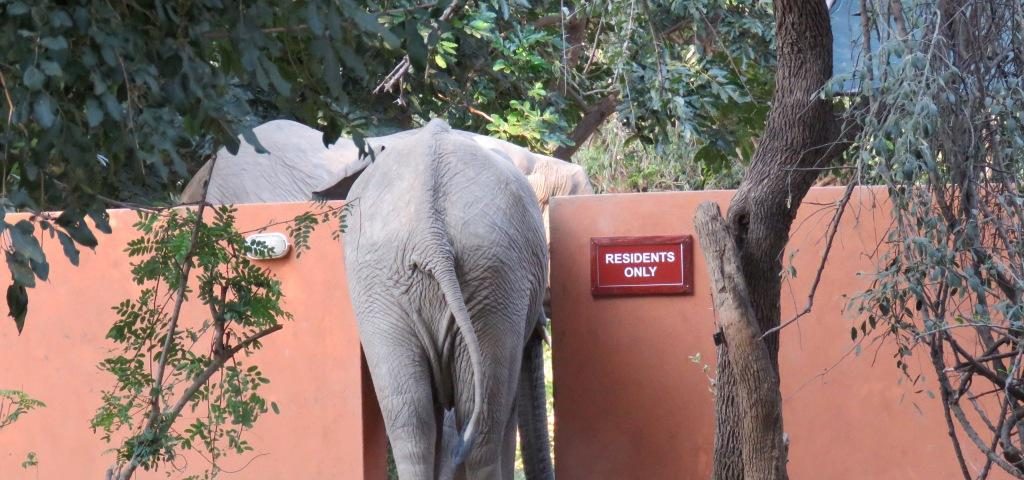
[630, 404]
[328, 414]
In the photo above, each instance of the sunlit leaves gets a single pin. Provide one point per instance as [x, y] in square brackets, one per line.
[304, 224]
[242, 300]
[14, 404]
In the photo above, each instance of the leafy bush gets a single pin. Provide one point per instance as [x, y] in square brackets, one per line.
[169, 361]
[616, 162]
[14, 404]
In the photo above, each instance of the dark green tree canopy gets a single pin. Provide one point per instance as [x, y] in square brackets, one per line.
[116, 103]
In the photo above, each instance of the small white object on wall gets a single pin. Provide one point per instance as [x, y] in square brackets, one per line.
[276, 245]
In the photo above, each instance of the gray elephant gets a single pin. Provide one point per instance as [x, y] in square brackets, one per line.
[446, 261]
[297, 164]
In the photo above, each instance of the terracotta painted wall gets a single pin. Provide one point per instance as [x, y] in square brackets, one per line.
[329, 426]
[630, 403]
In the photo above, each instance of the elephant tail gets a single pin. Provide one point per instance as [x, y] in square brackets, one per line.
[532, 409]
[449, 283]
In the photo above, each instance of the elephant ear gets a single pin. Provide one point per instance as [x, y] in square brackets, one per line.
[339, 187]
[338, 184]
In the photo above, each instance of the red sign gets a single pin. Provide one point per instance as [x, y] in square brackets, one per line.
[641, 265]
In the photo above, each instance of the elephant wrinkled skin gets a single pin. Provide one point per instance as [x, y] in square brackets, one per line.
[447, 267]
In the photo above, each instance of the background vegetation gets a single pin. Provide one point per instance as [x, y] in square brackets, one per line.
[114, 104]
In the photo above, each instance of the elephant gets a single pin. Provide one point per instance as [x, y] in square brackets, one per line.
[447, 266]
[297, 164]
[294, 165]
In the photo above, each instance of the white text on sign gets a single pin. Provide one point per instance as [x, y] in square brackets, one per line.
[645, 257]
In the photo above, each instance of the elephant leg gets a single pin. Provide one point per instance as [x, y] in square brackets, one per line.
[501, 374]
[532, 411]
[401, 378]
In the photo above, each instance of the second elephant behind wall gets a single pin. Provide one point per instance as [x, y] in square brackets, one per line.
[296, 165]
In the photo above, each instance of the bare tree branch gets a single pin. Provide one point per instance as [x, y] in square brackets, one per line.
[833, 227]
[397, 73]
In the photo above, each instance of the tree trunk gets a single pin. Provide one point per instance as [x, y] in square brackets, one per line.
[757, 385]
[801, 133]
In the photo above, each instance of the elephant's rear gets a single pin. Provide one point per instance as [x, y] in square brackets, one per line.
[439, 192]
[438, 184]
[493, 217]
[437, 205]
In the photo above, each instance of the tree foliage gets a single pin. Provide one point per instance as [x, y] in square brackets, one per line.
[942, 97]
[695, 72]
[112, 102]
[174, 366]
[115, 103]
[615, 163]
[14, 404]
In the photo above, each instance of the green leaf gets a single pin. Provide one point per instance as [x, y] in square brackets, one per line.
[70, 250]
[112, 106]
[227, 136]
[41, 269]
[43, 111]
[25, 242]
[21, 271]
[93, 113]
[60, 19]
[439, 60]
[414, 46]
[353, 61]
[17, 8]
[51, 68]
[369, 23]
[33, 78]
[17, 304]
[316, 26]
[332, 131]
[280, 84]
[273, 406]
[54, 43]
